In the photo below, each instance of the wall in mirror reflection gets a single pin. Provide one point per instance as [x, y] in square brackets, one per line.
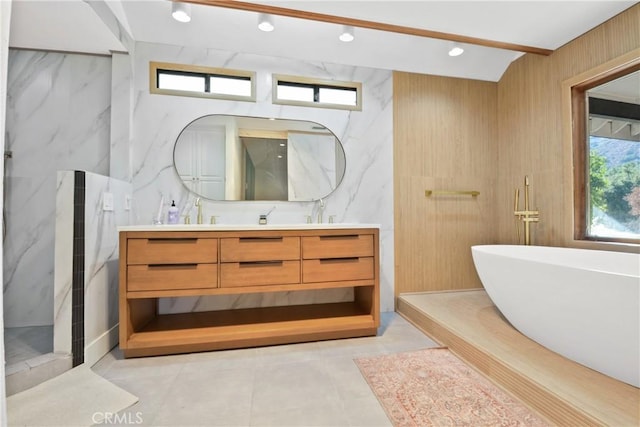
[224, 157]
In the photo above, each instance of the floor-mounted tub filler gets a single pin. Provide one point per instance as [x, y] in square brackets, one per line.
[583, 304]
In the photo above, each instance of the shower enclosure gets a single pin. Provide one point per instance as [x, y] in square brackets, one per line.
[57, 118]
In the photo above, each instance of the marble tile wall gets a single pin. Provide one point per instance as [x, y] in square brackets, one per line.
[5, 23]
[63, 271]
[48, 91]
[100, 262]
[121, 116]
[58, 118]
[365, 195]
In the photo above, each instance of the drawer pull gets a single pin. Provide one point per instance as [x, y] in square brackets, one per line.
[338, 260]
[172, 266]
[172, 240]
[260, 239]
[261, 263]
[340, 237]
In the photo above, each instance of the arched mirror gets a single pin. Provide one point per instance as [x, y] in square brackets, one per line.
[225, 157]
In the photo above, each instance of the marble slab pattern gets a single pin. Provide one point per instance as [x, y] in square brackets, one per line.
[101, 257]
[58, 110]
[63, 278]
[366, 193]
[121, 92]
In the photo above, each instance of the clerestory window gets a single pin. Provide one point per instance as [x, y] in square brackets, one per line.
[292, 90]
[201, 82]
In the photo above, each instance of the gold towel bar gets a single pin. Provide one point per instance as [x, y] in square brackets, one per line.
[429, 193]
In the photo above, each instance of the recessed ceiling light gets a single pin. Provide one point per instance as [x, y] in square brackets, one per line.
[265, 22]
[456, 50]
[347, 34]
[181, 11]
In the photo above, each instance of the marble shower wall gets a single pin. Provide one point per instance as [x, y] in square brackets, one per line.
[58, 118]
[365, 195]
[63, 270]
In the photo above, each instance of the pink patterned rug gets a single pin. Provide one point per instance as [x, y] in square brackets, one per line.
[432, 387]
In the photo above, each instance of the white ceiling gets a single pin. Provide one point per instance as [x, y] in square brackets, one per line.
[623, 89]
[71, 25]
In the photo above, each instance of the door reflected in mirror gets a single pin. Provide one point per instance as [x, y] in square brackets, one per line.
[225, 157]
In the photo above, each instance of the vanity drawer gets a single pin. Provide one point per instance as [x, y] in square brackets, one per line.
[336, 269]
[259, 273]
[259, 248]
[172, 251]
[337, 246]
[171, 277]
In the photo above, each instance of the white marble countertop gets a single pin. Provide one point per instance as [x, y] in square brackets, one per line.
[241, 227]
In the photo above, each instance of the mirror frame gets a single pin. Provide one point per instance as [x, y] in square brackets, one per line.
[339, 143]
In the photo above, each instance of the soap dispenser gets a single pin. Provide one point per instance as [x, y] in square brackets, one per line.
[173, 214]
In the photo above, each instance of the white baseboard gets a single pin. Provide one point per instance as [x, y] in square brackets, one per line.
[101, 346]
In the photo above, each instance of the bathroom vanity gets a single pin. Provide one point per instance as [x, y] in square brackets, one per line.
[175, 261]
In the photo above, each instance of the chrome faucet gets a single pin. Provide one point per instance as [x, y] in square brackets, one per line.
[199, 206]
[320, 210]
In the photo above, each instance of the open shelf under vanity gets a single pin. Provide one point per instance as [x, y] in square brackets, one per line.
[176, 264]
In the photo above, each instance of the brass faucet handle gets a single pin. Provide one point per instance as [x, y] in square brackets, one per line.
[526, 213]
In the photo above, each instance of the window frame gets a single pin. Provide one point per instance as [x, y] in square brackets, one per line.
[186, 69]
[578, 116]
[316, 85]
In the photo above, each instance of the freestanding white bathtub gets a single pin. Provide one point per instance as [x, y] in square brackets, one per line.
[582, 304]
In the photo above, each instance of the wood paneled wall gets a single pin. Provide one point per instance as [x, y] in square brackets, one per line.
[530, 127]
[462, 134]
[444, 139]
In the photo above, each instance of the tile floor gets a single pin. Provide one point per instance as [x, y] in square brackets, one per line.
[21, 344]
[29, 358]
[308, 384]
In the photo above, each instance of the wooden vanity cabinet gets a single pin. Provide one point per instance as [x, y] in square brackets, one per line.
[259, 261]
[162, 264]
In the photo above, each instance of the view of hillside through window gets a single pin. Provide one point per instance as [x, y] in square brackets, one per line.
[614, 187]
